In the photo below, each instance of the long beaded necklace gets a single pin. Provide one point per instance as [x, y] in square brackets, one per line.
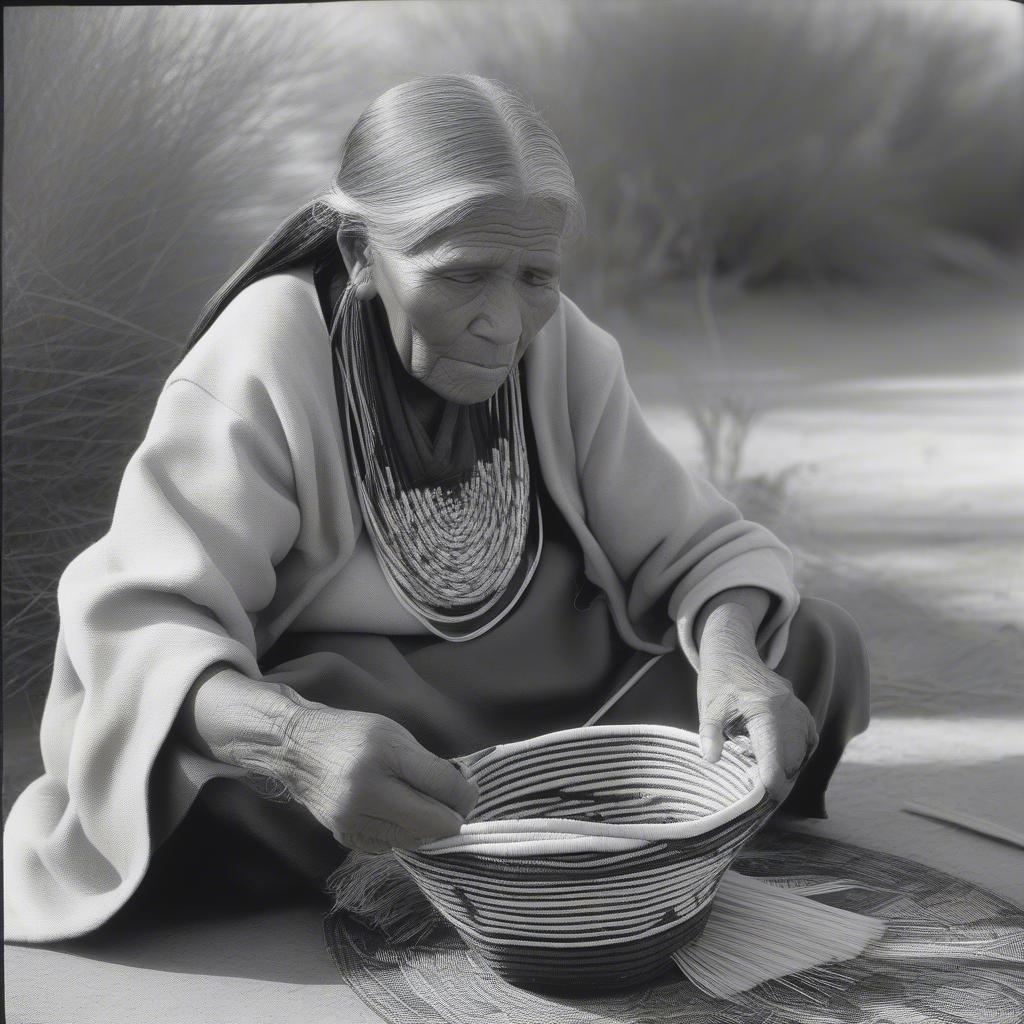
[450, 552]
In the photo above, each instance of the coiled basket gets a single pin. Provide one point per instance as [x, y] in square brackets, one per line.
[593, 854]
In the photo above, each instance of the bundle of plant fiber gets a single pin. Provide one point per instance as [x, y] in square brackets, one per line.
[597, 857]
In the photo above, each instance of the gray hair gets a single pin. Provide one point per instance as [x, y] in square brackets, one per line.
[430, 151]
[420, 158]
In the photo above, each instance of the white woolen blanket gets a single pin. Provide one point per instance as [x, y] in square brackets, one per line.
[238, 508]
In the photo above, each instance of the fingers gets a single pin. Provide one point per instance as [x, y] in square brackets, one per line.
[402, 817]
[390, 814]
[419, 815]
[764, 738]
[375, 835]
[812, 737]
[811, 744]
[781, 730]
[712, 738]
[369, 781]
[715, 731]
[435, 777]
[777, 760]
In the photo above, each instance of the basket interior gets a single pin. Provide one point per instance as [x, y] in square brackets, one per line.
[616, 779]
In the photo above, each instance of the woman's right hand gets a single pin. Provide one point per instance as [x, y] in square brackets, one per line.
[366, 779]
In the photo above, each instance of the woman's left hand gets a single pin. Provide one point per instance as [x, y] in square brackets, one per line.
[735, 686]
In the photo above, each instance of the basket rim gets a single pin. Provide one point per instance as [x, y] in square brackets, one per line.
[524, 837]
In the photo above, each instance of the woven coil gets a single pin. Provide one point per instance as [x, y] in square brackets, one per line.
[593, 854]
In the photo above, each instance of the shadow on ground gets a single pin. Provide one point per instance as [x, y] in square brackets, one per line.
[925, 662]
[276, 945]
[285, 943]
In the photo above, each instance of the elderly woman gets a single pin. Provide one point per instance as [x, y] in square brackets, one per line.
[397, 503]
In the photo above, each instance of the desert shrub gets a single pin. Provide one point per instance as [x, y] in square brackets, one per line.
[725, 407]
[135, 138]
[791, 139]
[798, 140]
[147, 151]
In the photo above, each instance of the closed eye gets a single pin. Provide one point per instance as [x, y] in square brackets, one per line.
[464, 277]
[538, 277]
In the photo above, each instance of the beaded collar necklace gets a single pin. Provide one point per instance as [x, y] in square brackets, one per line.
[458, 553]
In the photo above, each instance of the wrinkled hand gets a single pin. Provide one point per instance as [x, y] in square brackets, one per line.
[366, 779]
[736, 689]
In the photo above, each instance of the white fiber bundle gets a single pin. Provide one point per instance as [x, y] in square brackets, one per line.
[759, 932]
[379, 893]
[595, 857]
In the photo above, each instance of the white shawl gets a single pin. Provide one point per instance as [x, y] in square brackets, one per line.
[234, 512]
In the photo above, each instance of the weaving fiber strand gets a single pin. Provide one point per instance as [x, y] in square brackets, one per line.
[951, 954]
[758, 932]
[755, 932]
[592, 854]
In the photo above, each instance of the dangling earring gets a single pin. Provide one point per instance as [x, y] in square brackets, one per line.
[362, 281]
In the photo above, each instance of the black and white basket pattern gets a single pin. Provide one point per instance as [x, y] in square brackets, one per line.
[593, 854]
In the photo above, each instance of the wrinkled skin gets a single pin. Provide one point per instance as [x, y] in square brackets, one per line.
[463, 308]
[467, 303]
[362, 776]
[735, 688]
[367, 780]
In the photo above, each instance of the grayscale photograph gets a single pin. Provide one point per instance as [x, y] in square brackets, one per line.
[513, 511]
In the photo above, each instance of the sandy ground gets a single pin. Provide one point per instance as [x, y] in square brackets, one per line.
[906, 507]
[910, 516]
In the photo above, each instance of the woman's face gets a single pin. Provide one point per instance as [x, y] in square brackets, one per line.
[466, 304]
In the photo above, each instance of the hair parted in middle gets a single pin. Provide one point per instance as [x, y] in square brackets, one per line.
[421, 157]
